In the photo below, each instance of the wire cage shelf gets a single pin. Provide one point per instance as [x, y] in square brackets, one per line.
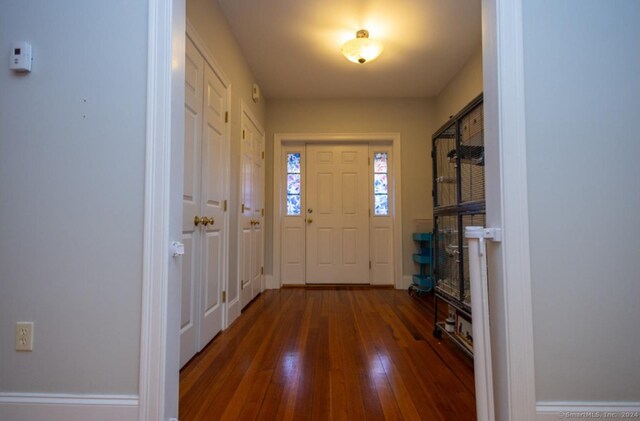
[459, 201]
[458, 152]
[471, 151]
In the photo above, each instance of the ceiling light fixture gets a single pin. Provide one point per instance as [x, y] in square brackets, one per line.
[362, 49]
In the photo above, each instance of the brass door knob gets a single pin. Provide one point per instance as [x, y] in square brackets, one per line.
[197, 221]
[208, 221]
[309, 220]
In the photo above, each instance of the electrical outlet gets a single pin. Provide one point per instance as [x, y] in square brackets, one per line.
[24, 336]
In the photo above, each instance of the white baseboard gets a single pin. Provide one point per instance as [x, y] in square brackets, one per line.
[548, 411]
[406, 281]
[271, 283]
[67, 407]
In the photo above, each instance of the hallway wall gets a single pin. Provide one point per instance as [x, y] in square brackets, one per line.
[461, 89]
[582, 90]
[72, 159]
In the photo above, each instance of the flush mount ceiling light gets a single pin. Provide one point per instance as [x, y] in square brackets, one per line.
[362, 49]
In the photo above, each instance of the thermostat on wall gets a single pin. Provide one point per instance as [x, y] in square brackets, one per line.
[20, 57]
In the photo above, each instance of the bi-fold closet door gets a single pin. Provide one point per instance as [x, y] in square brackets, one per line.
[205, 187]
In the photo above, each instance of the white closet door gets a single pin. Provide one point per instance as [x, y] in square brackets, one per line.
[212, 206]
[205, 187]
[337, 214]
[257, 235]
[246, 213]
[251, 220]
[194, 65]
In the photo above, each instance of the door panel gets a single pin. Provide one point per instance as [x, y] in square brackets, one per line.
[251, 219]
[246, 217]
[258, 204]
[337, 214]
[350, 246]
[211, 292]
[246, 293]
[213, 182]
[190, 204]
[293, 216]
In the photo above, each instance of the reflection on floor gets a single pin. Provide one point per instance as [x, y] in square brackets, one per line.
[329, 354]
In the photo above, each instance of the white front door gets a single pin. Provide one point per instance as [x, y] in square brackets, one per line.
[251, 210]
[337, 214]
[203, 232]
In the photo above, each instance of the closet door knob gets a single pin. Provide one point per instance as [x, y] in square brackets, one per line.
[197, 221]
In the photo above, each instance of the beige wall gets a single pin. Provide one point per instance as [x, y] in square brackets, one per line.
[465, 85]
[414, 119]
[211, 26]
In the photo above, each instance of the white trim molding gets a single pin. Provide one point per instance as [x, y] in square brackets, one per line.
[507, 208]
[281, 139]
[64, 407]
[553, 411]
[159, 336]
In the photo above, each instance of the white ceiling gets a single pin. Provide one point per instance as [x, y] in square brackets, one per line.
[293, 46]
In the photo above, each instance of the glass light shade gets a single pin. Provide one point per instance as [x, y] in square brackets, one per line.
[362, 49]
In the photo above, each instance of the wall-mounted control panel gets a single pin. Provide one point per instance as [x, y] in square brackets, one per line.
[21, 57]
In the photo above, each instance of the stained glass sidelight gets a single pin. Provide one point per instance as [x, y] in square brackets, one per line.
[381, 183]
[381, 204]
[294, 189]
[293, 204]
[293, 163]
[293, 183]
[380, 162]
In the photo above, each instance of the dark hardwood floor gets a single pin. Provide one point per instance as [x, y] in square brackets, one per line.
[329, 354]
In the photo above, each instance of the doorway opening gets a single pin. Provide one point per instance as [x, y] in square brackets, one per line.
[337, 209]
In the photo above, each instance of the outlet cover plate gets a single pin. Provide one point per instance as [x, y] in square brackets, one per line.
[24, 336]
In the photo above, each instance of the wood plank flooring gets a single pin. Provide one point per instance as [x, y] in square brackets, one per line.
[329, 354]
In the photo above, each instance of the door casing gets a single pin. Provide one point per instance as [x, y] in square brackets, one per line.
[505, 101]
[281, 140]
